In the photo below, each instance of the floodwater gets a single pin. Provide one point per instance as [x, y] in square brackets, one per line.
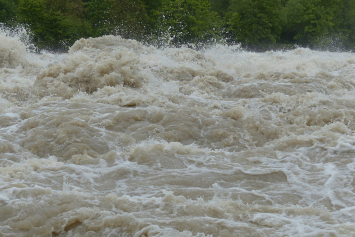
[116, 138]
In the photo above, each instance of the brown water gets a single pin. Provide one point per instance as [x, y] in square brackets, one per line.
[120, 139]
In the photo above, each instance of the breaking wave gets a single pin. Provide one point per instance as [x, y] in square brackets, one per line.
[115, 138]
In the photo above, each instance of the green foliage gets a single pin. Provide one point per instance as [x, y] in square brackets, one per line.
[45, 27]
[8, 10]
[126, 17]
[253, 22]
[190, 21]
[56, 24]
[52, 25]
[153, 9]
[308, 19]
[345, 22]
[97, 17]
[219, 6]
[152, 6]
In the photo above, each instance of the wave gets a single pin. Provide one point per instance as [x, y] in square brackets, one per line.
[117, 138]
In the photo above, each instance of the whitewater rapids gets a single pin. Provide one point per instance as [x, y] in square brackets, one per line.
[115, 138]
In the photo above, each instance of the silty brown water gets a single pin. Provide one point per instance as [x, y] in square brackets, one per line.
[116, 138]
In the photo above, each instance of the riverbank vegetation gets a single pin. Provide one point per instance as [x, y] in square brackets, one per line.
[256, 24]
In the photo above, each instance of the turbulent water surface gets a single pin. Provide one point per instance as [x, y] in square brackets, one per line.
[115, 138]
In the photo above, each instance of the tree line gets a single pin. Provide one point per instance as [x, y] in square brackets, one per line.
[256, 24]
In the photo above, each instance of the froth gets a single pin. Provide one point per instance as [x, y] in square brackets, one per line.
[87, 69]
[116, 138]
[12, 52]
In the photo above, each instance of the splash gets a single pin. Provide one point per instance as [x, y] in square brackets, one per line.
[116, 138]
[12, 52]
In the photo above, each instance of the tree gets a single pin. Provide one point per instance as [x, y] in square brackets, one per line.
[219, 6]
[190, 21]
[54, 24]
[8, 10]
[344, 22]
[153, 9]
[254, 22]
[152, 5]
[307, 20]
[126, 17]
[75, 13]
[349, 21]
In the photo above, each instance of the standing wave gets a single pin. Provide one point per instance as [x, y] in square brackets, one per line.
[116, 138]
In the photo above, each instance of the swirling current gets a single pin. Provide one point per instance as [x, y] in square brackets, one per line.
[116, 138]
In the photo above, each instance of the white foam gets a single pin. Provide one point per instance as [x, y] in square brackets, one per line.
[117, 138]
